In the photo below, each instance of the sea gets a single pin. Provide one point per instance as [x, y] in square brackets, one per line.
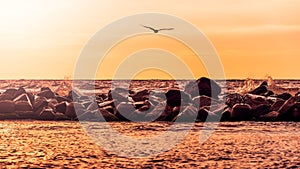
[73, 144]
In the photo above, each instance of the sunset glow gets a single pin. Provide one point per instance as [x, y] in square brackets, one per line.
[43, 39]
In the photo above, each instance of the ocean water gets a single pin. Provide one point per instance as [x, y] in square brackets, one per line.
[45, 144]
[66, 144]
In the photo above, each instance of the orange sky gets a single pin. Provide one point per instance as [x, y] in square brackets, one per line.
[42, 39]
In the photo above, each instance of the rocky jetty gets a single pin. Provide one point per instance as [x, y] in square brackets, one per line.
[199, 101]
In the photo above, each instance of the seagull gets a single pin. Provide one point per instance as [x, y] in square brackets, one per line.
[157, 30]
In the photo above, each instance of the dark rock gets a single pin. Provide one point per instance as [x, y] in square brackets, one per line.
[7, 106]
[73, 95]
[271, 116]
[47, 114]
[4, 96]
[27, 115]
[203, 86]
[106, 115]
[118, 97]
[173, 97]
[140, 95]
[232, 99]
[62, 99]
[156, 112]
[284, 96]
[39, 102]
[87, 116]
[107, 103]
[226, 114]
[61, 107]
[269, 93]
[241, 112]
[286, 110]
[261, 110]
[254, 100]
[23, 106]
[93, 106]
[189, 114]
[109, 109]
[260, 90]
[168, 114]
[203, 101]
[125, 111]
[45, 89]
[277, 105]
[47, 94]
[10, 92]
[138, 104]
[19, 92]
[202, 115]
[22, 97]
[73, 109]
[60, 116]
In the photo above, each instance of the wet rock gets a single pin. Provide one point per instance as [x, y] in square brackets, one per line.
[285, 111]
[62, 99]
[241, 112]
[261, 110]
[203, 101]
[27, 115]
[4, 96]
[47, 94]
[23, 106]
[93, 106]
[140, 95]
[73, 95]
[202, 114]
[107, 103]
[232, 99]
[260, 90]
[22, 97]
[7, 106]
[189, 114]
[277, 105]
[156, 112]
[125, 111]
[87, 116]
[226, 114]
[284, 96]
[19, 92]
[118, 97]
[61, 107]
[45, 88]
[168, 114]
[40, 102]
[254, 100]
[106, 115]
[60, 116]
[203, 86]
[175, 97]
[47, 114]
[73, 109]
[10, 92]
[271, 116]
[109, 109]
[269, 93]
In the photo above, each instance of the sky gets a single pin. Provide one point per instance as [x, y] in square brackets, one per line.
[42, 39]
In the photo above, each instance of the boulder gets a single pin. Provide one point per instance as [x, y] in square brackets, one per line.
[203, 86]
[4, 96]
[189, 114]
[19, 92]
[261, 110]
[277, 105]
[47, 114]
[284, 96]
[7, 106]
[286, 110]
[125, 111]
[271, 116]
[202, 114]
[106, 115]
[140, 95]
[241, 112]
[107, 103]
[10, 92]
[173, 97]
[27, 115]
[260, 90]
[232, 99]
[39, 102]
[73, 109]
[60, 116]
[46, 93]
[156, 112]
[61, 107]
[93, 106]
[23, 106]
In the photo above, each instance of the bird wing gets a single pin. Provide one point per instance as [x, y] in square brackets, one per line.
[148, 27]
[165, 29]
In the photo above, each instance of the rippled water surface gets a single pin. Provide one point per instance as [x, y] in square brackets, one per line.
[65, 144]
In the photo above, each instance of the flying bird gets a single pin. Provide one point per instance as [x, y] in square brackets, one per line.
[157, 30]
